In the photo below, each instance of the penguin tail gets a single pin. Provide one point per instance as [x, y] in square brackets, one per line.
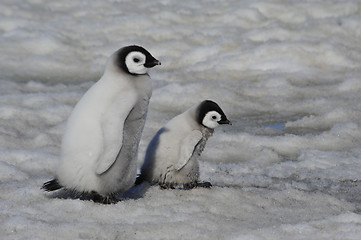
[51, 185]
[139, 180]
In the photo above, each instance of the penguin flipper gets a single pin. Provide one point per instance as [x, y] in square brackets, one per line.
[187, 148]
[51, 185]
[112, 126]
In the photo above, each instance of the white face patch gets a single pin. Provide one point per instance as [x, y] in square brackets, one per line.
[211, 119]
[135, 63]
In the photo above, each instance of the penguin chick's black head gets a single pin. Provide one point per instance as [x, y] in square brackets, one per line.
[135, 60]
[207, 107]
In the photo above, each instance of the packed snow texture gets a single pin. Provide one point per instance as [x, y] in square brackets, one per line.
[286, 73]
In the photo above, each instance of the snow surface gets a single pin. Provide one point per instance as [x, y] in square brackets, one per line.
[286, 73]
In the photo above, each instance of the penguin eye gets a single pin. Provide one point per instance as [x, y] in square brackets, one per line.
[136, 60]
[214, 117]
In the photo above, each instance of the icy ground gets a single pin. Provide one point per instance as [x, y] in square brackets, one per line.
[287, 73]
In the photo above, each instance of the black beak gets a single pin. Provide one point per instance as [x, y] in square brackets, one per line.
[152, 63]
[224, 121]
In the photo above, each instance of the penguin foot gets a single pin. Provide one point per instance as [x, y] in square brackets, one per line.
[192, 185]
[96, 197]
[139, 180]
[51, 185]
[164, 186]
[188, 186]
[73, 194]
[204, 184]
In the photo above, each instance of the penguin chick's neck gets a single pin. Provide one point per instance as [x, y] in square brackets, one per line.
[193, 113]
[113, 73]
[113, 66]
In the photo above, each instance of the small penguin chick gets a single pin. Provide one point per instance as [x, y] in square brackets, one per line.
[100, 143]
[171, 157]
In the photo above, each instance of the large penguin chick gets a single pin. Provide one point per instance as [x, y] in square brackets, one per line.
[100, 142]
[171, 157]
